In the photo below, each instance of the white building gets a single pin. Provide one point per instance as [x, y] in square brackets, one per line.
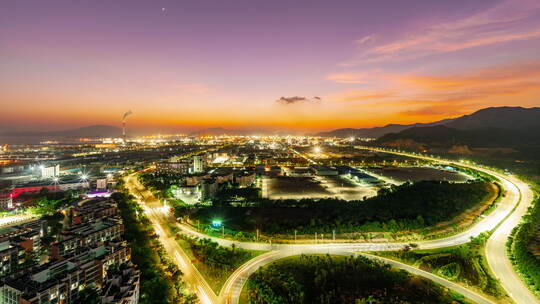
[198, 164]
[49, 172]
[101, 183]
[6, 201]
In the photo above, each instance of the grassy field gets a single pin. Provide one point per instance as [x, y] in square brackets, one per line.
[216, 273]
[339, 279]
[464, 264]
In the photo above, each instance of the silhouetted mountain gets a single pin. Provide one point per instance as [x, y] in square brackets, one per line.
[443, 136]
[376, 132]
[496, 117]
[499, 117]
[505, 127]
[90, 131]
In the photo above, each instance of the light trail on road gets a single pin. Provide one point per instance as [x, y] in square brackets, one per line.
[507, 215]
[155, 213]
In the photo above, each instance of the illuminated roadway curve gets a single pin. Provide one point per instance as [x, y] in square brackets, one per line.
[518, 196]
[157, 216]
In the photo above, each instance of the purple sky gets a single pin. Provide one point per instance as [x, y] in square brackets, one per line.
[192, 64]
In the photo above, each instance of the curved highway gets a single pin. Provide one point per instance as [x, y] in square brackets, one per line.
[230, 293]
[502, 220]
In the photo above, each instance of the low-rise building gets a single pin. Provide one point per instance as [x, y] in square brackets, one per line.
[11, 256]
[61, 281]
[209, 188]
[196, 179]
[245, 179]
[86, 235]
[182, 166]
[91, 210]
[6, 200]
[122, 287]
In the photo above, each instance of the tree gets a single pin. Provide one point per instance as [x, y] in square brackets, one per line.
[89, 295]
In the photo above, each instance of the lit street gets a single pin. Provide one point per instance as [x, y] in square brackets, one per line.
[495, 250]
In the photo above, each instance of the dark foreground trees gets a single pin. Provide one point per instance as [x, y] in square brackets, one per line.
[409, 206]
[161, 280]
[331, 279]
[520, 246]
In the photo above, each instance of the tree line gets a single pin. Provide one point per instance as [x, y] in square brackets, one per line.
[519, 247]
[330, 279]
[161, 280]
[408, 206]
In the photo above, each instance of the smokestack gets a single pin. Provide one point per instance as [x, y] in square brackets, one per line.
[124, 124]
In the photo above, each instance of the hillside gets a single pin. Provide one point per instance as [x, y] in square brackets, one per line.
[89, 131]
[499, 117]
[376, 132]
[495, 117]
[444, 136]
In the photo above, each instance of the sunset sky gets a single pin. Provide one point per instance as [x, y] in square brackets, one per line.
[293, 65]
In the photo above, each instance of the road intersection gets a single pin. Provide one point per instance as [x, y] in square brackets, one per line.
[512, 206]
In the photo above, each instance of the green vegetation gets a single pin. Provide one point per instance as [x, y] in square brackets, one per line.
[160, 278]
[524, 244]
[520, 248]
[160, 183]
[89, 295]
[216, 263]
[49, 203]
[463, 264]
[405, 207]
[331, 279]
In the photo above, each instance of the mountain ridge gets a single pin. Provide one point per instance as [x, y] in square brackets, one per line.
[87, 131]
[492, 117]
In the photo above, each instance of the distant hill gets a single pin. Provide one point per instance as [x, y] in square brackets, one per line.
[376, 132]
[505, 127]
[444, 136]
[496, 117]
[89, 131]
[499, 117]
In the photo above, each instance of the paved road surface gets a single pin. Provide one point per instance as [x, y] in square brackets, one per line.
[159, 218]
[230, 293]
[518, 196]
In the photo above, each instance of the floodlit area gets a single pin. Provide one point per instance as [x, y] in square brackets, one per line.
[285, 187]
[404, 174]
[13, 219]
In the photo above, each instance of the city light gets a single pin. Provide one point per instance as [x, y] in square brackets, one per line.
[340, 129]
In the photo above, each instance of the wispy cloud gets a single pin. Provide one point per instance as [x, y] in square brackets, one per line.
[364, 40]
[350, 78]
[363, 77]
[297, 99]
[508, 21]
[363, 95]
[451, 93]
